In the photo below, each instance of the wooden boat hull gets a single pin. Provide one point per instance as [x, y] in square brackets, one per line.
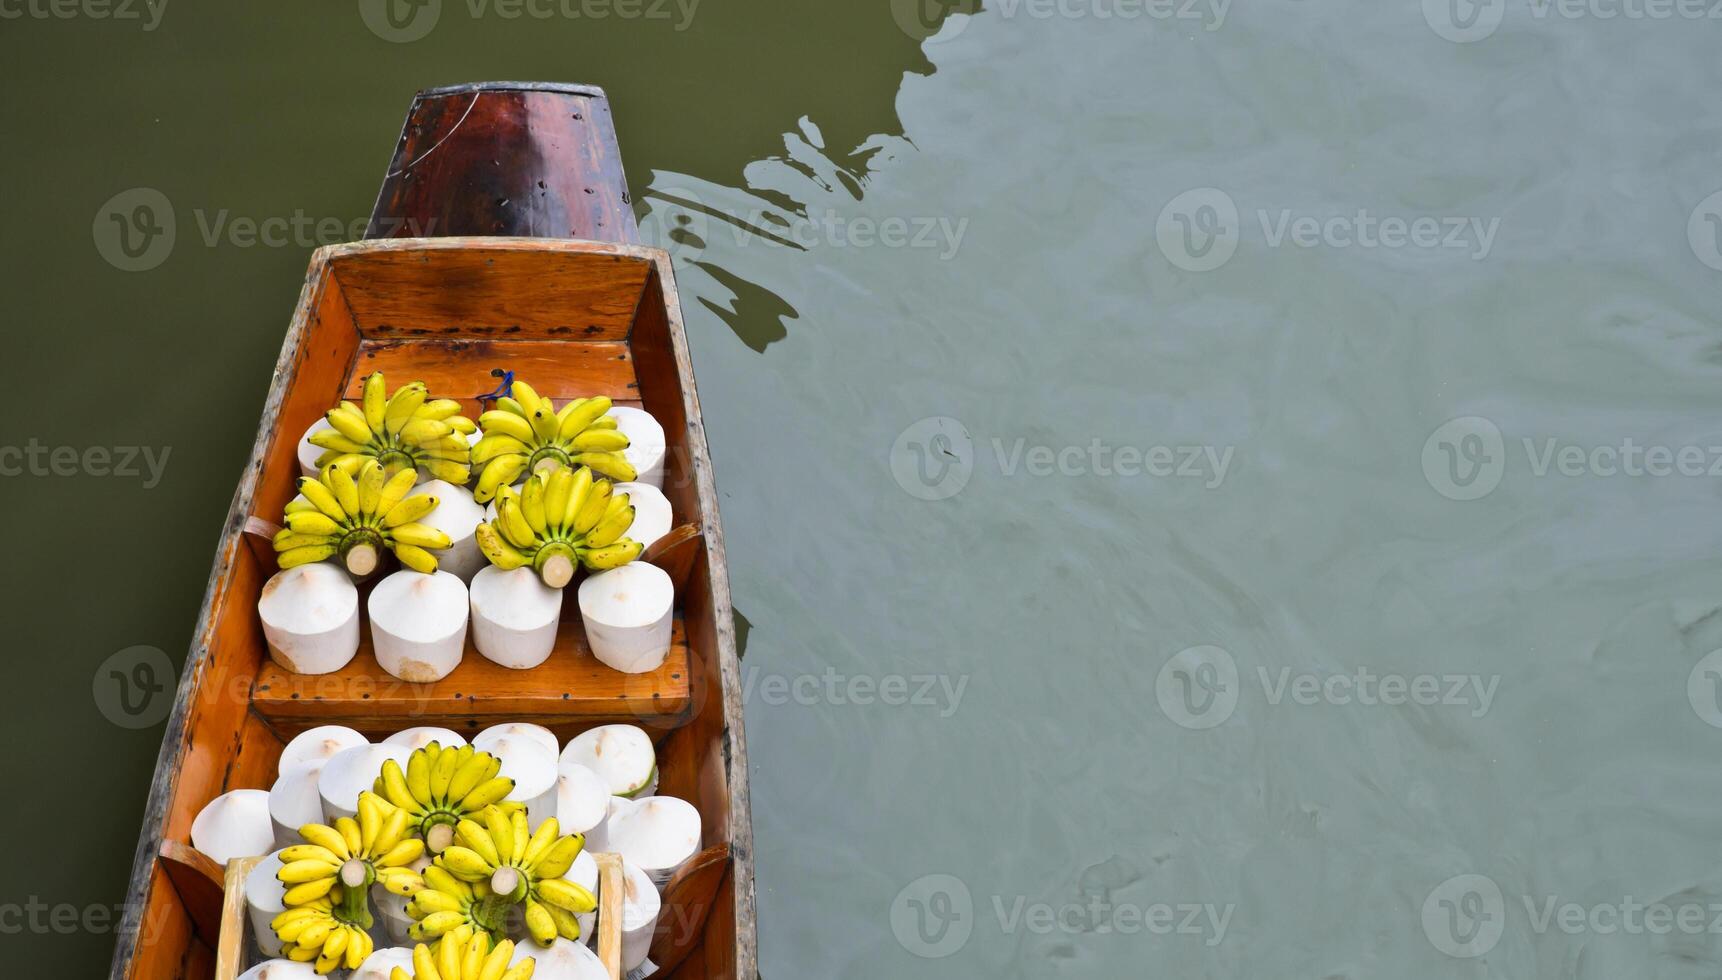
[577, 318]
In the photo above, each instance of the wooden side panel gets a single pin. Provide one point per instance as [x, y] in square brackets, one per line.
[704, 762]
[507, 158]
[477, 288]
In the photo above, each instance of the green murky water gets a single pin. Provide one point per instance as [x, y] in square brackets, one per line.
[1214, 490]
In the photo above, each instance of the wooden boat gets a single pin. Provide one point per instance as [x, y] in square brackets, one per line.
[537, 166]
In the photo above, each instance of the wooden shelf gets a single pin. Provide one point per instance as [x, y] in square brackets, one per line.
[571, 689]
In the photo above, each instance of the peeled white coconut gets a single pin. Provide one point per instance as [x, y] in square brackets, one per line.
[418, 624]
[380, 965]
[309, 454]
[538, 733]
[659, 833]
[582, 798]
[351, 772]
[318, 745]
[281, 970]
[391, 919]
[264, 901]
[514, 616]
[532, 766]
[563, 960]
[310, 618]
[414, 739]
[584, 872]
[628, 612]
[457, 516]
[645, 443]
[652, 518]
[641, 905]
[234, 825]
[622, 754]
[294, 802]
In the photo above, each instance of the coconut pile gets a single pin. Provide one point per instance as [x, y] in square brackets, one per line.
[602, 784]
[335, 541]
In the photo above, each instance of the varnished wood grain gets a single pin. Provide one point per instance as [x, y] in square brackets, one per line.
[570, 688]
[460, 369]
[489, 288]
[231, 949]
[611, 882]
[507, 158]
[687, 903]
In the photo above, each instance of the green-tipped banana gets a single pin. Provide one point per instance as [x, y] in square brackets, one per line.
[356, 517]
[405, 430]
[328, 880]
[471, 956]
[496, 864]
[526, 433]
[558, 519]
[442, 785]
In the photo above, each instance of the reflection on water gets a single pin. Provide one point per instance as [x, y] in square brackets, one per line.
[1300, 399]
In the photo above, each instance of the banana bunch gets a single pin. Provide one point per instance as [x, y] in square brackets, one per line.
[441, 786]
[355, 517]
[405, 430]
[314, 932]
[447, 906]
[528, 433]
[521, 868]
[465, 958]
[354, 853]
[559, 518]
